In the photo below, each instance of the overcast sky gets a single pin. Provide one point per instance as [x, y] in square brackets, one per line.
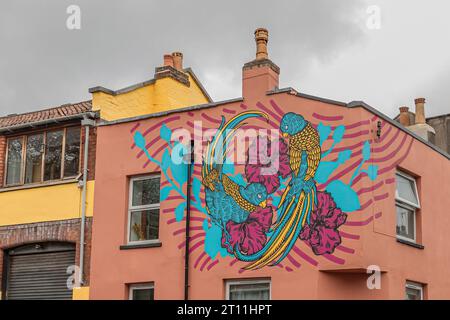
[323, 48]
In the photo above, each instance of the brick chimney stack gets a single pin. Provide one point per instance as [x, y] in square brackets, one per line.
[420, 110]
[261, 74]
[168, 60]
[178, 61]
[404, 116]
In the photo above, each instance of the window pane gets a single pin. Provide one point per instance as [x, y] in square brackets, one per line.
[53, 150]
[406, 189]
[143, 294]
[14, 166]
[144, 225]
[405, 223]
[146, 191]
[256, 291]
[413, 294]
[33, 167]
[72, 152]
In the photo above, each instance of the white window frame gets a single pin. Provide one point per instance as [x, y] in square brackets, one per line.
[132, 208]
[415, 286]
[400, 202]
[139, 286]
[229, 283]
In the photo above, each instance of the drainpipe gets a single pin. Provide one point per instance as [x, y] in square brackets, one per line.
[86, 123]
[188, 222]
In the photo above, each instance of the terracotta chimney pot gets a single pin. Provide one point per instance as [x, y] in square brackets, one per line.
[420, 110]
[404, 116]
[178, 60]
[261, 38]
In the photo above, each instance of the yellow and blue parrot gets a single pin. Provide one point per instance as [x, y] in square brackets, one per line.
[225, 199]
[298, 198]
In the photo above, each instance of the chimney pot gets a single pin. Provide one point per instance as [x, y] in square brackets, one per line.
[178, 60]
[420, 110]
[404, 116]
[168, 60]
[261, 38]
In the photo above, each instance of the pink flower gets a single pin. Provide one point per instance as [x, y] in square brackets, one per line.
[264, 168]
[249, 236]
[322, 231]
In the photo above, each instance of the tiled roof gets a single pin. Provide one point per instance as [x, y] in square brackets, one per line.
[46, 114]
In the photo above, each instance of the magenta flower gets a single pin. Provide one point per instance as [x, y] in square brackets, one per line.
[249, 236]
[322, 231]
[264, 168]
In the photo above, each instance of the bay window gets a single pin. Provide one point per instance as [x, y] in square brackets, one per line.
[44, 156]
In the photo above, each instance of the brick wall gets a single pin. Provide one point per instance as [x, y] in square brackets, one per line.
[65, 231]
[2, 158]
[92, 151]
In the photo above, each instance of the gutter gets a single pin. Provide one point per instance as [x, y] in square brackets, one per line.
[31, 125]
[86, 123]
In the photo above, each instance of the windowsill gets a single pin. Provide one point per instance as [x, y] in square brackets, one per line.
[153, 244]
[38, 185]
[410, 243]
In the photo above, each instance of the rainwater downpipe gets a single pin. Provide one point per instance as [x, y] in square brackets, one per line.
[188, 221]
[86, 123]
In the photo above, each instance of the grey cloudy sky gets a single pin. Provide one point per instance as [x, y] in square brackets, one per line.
[323, 47]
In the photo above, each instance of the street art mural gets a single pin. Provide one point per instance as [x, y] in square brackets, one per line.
[251, 217]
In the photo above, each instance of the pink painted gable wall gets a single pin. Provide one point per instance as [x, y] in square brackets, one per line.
[368, 236]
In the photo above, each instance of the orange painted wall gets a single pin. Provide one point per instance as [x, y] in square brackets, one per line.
[367, 237]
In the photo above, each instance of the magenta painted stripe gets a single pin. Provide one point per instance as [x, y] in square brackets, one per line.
[385, 134]
[177, 197]
[167, 210]
[164, 183]
[263, 107]
[356, 134]
[327, 118]
[359, 223]
[148, 145]
[276, 108]
[133, 129]
[389, 180]
[389, 168]
[177, 232]
[205, 116]
[381, 197]
[198, 235]
[173, 220]
[190, 124]
[191, 114]
[369, 189]
[233, 262]
[342, 173]
[334, 259]
[378, 215]
[226, 110]
[167, 120]
[198, 259]
[204, 263]
[345, 249]
[365, 205]
[293, 261]
[212, 265]
[349, 235]
[304, 256]
[388, 144]
[374, 118]
[195, 246]
[392, 154]
[354, 146]
[273, 124]
[288, 269]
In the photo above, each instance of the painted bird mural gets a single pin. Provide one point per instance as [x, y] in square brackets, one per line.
[299, 196]
[225, 199]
